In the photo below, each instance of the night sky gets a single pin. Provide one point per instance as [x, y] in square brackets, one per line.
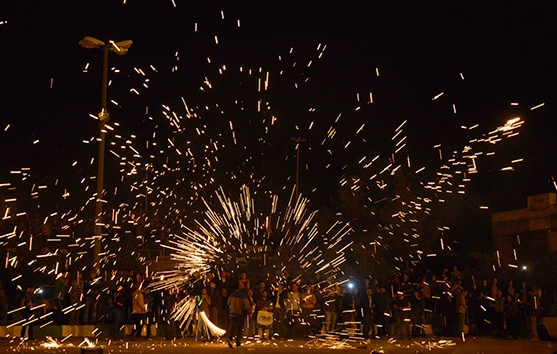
[506, 52]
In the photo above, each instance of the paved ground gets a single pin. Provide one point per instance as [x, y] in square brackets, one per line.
[188, 345]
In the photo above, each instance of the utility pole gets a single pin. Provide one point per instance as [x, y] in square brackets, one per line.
[119, 48]
[298, 141]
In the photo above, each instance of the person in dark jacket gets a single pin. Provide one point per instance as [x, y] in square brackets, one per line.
[401, 309]
[512, 318]
[347, 308]
[359, 300]
[368, 305]
[383, 312]
[60, 292]
[224, 318]
[417, 314]
[215, 306]
[91, 292]
[279, 323]
[331, 307]
[239, 307]
[28, 302]
[118, 301]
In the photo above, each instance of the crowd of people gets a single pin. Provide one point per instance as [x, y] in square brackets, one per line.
[405, 306]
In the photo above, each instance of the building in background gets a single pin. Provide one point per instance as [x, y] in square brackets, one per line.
[522, 235]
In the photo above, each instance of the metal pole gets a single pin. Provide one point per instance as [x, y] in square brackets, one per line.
[146, 201]
[298, 141]
[146, 189]
[103, 116]
[297, 168]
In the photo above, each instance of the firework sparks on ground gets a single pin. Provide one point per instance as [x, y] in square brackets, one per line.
[333, 341]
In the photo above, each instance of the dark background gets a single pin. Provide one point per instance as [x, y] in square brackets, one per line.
[505, 50]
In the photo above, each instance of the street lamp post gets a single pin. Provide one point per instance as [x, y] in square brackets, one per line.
[119, 48]
[298, 141]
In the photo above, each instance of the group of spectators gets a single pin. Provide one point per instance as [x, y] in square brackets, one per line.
[411, 305]
[404, 306]
[129, 300]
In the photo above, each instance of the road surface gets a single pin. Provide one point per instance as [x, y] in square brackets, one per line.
[189, 345]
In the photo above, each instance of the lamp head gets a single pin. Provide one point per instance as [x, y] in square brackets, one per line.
[121, 47]
[91, 43]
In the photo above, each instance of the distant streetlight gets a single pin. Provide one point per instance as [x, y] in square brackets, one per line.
[298, 141]
[119, 48]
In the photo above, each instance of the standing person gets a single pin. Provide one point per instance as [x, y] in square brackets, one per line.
[331, 307]
[127, 290]
[264, 315]
[138, 310]
[251, 317]
[215, 306]
[278, 311]
[148, 317]
[417, 314]
[76, 298]
[308, 304]
[367, 308]
[293, 308]
[522, 293]
[447, 310]
[436, 307]
[359, 301]
[118, 310]
[224, 318]
[239, 308]
[91, 290]
[169, 299]
[383, 312]
[473, 310]
[28, 302]
[498, 321]
[346, 308]
[203, 305]
[512, 318]
[60, 292]
[483, 314]
[533, 309]
[402, 307]
[4, 306]
[461, 310]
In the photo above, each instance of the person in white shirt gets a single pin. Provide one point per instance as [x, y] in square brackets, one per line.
[139, 309]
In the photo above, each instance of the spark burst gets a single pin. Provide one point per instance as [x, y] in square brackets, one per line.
[274, 240]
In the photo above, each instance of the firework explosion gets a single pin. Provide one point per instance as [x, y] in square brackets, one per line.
[170, 167]
[269, 240]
